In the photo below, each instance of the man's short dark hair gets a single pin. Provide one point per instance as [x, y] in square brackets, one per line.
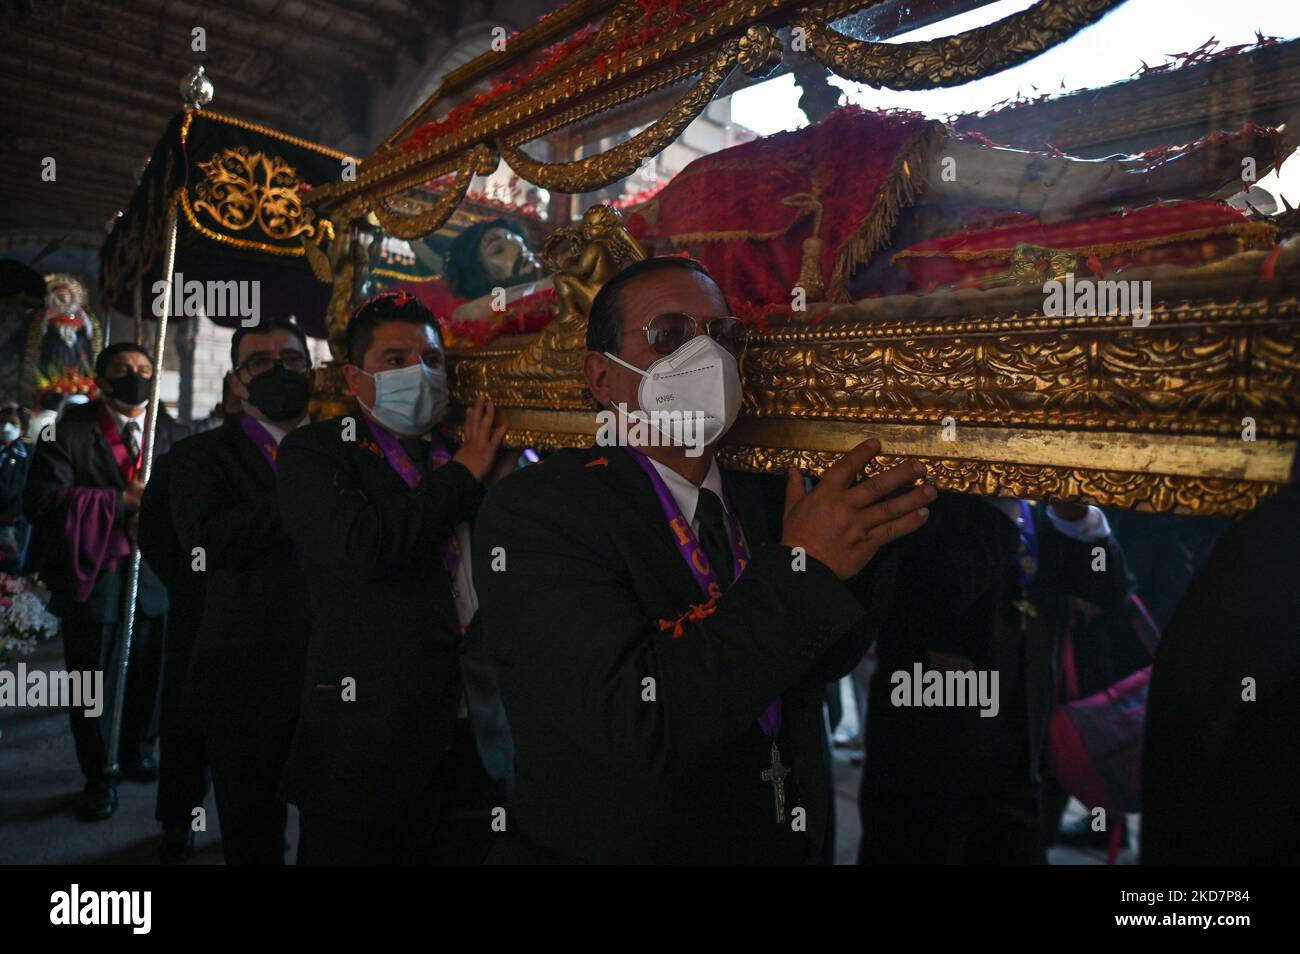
[390, 306]
[116, 348]
[605, 320]
[265, 327]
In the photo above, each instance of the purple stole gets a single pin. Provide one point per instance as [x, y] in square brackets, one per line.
[693, 554]
[261, 439]
[401, 462]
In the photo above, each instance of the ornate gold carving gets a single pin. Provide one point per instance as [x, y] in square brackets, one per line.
[577, 90]
[478, 161]
[1162, 493]
[1194, 369]
[619, 162]
[547, 372]
[545, 31]
[242, 189]
[949, 60]
[1080, 407]
[1191, 494]
[760, 51]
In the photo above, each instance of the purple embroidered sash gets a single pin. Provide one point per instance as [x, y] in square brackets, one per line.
[126, 467]
[691, 552]
[261, 439]
[401, 462]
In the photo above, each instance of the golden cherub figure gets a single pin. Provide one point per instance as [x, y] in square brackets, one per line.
[582, 260]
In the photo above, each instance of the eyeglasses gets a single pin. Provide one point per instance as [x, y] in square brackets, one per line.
[666, 333]
[261, 363]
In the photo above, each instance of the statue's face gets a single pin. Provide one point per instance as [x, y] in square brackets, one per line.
[504, 255]
[62, 298]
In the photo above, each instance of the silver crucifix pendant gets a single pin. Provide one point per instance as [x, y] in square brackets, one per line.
[776, 774]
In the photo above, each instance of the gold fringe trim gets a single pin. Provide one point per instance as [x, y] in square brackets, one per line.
[403, 277]
[264, 130]
[901, 187]
[1253, 235]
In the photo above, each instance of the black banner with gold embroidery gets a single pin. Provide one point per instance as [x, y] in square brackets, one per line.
[242, 218]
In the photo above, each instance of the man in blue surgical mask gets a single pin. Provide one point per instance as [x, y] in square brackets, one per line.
[401, 750]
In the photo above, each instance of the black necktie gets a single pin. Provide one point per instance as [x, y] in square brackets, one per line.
[129, 431]
[713, 536]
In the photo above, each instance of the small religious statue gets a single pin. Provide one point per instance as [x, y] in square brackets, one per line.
[67, 330]
[583, 261]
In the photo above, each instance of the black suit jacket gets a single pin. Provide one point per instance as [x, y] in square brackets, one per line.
[951, 588]
[160, 545]
[382, 615]
[250, 655]
[579, 619]
[15, 461]
[79, 456]
[1221, 773]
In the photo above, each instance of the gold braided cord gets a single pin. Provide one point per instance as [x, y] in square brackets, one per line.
[950, 60]
[1253, 236]
[595, 172]
[691, 238]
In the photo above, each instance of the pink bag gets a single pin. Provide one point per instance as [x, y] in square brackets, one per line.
[1094, 744]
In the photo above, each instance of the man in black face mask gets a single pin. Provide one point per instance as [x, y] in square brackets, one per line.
[83, 498]
[247, 674]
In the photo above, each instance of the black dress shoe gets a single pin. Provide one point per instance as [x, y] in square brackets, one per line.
[1079, 834]
[177, 845]
[98, 802]
[145, 769]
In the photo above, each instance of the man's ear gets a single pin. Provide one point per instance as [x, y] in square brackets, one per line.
[352, 374]
[595, 368]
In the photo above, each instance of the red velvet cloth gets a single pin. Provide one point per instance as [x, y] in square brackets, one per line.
[530, 313]
[1177, 233]
[91, 544]
[744, 212]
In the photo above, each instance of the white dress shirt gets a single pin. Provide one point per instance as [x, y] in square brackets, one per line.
[122, 420]
[687, 496]
[1090, 527]
[277, 433]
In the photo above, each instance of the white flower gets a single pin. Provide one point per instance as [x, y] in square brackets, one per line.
[27, 613]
